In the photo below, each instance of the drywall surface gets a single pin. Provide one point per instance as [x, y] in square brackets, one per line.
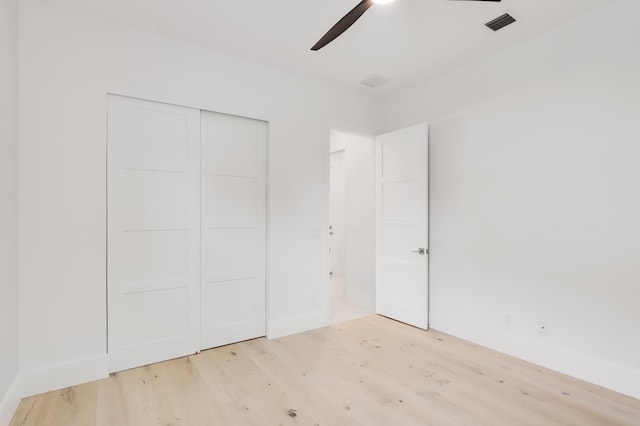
[338, 213]
[8, 204]
[70, 61]
[360, 216]
[534, 197]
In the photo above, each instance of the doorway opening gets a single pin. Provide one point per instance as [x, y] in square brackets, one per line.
[351, 283]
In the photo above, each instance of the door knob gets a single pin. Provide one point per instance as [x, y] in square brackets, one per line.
[420, 251]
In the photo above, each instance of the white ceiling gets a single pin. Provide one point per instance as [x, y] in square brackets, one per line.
[409, 40]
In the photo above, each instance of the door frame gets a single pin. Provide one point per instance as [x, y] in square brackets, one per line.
[364, 133]
[327, 262]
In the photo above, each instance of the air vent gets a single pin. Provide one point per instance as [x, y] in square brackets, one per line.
[375, 80]
[501, 22]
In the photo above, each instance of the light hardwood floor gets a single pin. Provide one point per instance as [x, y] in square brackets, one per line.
[370, 371]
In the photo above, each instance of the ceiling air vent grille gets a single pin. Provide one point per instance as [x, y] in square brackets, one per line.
[375, 80]
[501, 22]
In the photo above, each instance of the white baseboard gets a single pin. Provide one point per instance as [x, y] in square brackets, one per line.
[359, 297]
[40, 380]
[602, 373]
[9, 403]
[297, 324]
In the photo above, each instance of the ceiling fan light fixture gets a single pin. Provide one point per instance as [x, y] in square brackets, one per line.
[350, 18]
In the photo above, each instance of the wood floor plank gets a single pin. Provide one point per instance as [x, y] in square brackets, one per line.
[370, 371]
[27, 410]
[70, 406]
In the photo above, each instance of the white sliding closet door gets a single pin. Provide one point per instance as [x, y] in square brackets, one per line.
[153, 232]
[233, 229]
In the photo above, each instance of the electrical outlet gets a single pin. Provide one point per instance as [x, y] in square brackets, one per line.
[507, 319]
[543, 328]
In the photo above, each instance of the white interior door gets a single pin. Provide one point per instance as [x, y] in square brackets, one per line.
[153, 199]
[402, 225]
[233, 229]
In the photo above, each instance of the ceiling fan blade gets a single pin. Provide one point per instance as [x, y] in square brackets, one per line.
[344, 24]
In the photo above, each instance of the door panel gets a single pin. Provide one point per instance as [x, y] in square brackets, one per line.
[234, 229]
[238, 154]
[220, 312]
[231, 253]
[399, 198]
[232, 201]
[154, 255]
[152, 135]
[402, 225]
[153, 227]
[159, 314]
[154, 199]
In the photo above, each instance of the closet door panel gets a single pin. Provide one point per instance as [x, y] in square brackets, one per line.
[232, 254]
[236, 151]
[220, 314]
[155, 256]
[153, 232]
[232, 201]
[154, 199]
[233, 229]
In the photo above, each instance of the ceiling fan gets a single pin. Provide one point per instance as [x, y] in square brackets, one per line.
[350, 18]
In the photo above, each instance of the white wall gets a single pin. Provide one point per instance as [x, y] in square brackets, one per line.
[8, 205]
[360, 215]
[338, 213]
[69, 62]
[534, 197]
